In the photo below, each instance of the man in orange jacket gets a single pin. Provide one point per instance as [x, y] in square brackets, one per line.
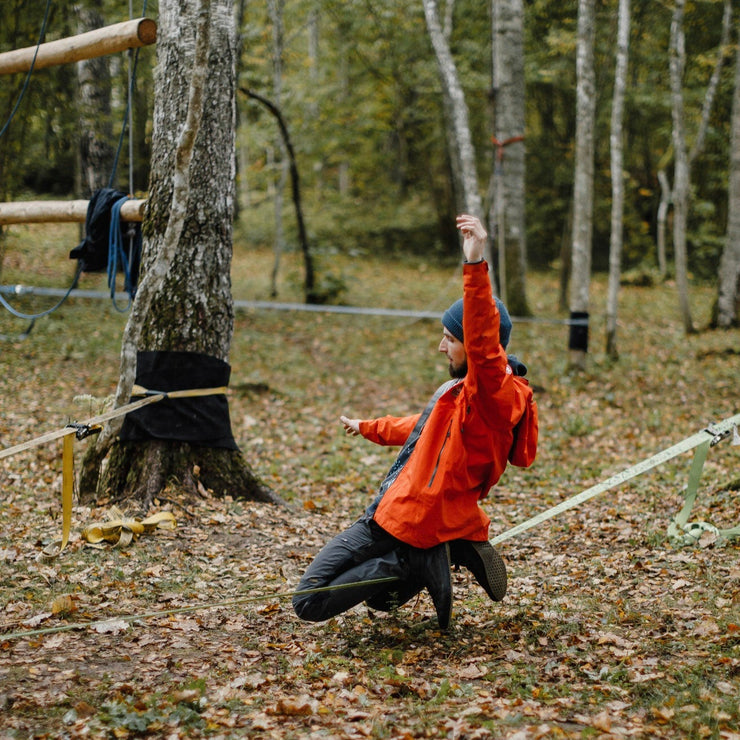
[427, 513]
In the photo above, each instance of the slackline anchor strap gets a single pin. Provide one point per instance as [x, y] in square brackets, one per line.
[717, 432]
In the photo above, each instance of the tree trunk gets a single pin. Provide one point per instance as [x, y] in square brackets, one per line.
[666, 198]
[617, 159]
[184, 298]
[462, 152]
[583, 187]
[275, 9]
[683, 158]
[728, 297]
[681, 166]
[508, 206]
[96, 127]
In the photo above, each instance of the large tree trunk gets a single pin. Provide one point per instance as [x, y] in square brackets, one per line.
[583, 188]
[184, 299]
[508, 206]
[617, 158]
[462, 152]
[728, 297]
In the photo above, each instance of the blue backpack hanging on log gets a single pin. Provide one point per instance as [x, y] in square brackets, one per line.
[104, 245]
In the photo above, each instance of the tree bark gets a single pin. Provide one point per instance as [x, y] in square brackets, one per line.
[728, 297]
[583, 187]
[683, 158]
[96, 127]
[275, 10]
[617, 159]
[460, 143]
[184, 298]
[507, 210]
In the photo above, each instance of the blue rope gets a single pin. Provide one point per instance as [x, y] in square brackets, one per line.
[24, 89]
[116, 251]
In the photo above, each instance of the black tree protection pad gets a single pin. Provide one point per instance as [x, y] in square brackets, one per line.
[578, 338]
[199, 420]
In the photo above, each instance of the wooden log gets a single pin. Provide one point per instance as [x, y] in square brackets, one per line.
[107, 40]
[60, 211]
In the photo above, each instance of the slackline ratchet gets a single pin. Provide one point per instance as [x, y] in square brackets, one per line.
[80, 430]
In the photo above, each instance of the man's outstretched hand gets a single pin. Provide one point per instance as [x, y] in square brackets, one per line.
[351, 426]
[474, 237]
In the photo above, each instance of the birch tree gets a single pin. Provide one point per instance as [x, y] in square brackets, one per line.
[583, 186]
[94, 95]
[728, 296]
[683, 158]
[275, 9]
[617, 163]
[184, 301]
[462, 151]
[507, 210]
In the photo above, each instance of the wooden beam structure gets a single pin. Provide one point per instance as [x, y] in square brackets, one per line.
[60, 211]
[107, 40]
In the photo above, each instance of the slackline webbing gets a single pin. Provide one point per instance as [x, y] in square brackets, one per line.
[83, 429]
[716, 433]
[304, 307]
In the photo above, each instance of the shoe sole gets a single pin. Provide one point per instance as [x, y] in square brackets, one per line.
[494, 568]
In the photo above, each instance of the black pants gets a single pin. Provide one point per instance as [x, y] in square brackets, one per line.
[363, 552]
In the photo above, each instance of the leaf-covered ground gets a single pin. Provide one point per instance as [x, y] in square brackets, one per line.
[608, 630]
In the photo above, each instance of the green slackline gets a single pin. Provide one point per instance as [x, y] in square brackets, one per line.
[707, 438]
[703, 440]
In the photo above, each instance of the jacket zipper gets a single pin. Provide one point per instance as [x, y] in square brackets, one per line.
[439, 456]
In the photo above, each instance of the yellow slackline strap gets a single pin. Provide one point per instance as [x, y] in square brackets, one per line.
[91, 423]
[81, 429]
[716, 432]
[138, 390]
[121, 530]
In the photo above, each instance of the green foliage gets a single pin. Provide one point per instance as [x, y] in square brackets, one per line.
[365, 117]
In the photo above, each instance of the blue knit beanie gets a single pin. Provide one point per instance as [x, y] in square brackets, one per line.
[452, 320]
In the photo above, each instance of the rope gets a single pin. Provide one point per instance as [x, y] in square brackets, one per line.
[33, 316]
[24, 89]
[116, 250]
[193, 608]
[309, 307]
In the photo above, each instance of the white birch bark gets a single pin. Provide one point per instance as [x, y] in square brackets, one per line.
[681, 163]
[583, 188]
[684, 158]
[729, 269]
[617, 160]
[507, 209]
[458, 133]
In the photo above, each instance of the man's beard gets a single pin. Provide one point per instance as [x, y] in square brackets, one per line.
[458, 371]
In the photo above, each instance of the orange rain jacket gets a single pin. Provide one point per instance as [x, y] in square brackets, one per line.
[463, 448]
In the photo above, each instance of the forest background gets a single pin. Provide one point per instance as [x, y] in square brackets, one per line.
[358, 88]
[608, 629]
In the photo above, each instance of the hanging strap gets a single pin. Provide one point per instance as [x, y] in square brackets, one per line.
[680, 530]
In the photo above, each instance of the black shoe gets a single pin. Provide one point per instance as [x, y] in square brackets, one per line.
[432, 568]
[486, 565]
